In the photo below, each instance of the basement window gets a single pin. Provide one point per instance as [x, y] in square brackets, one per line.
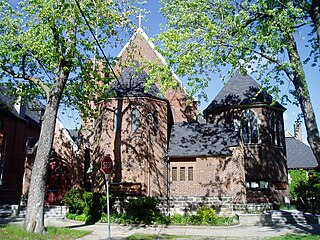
[257, 184]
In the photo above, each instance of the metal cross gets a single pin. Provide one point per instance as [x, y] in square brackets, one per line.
[139, 17]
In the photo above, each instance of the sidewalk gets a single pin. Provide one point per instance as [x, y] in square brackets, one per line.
[100, 230]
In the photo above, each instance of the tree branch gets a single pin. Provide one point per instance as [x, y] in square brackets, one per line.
[37, 81]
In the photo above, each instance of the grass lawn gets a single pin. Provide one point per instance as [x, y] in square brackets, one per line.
[141, 236]
[14, 232]
[296, 237]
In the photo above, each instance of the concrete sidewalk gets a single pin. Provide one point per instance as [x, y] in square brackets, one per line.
[100, 230]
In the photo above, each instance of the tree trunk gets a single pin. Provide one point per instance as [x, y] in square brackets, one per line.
[300, 84]
[315, 16]
[34, 221]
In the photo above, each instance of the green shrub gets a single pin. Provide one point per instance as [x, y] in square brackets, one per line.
[82, 217]
[87, 205]
[144, 209]
[206, 215]
[74, 200]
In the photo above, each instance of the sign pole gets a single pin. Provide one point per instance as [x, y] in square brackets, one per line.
[108, 209]
[106, 167]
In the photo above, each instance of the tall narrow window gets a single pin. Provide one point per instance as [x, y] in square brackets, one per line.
[249, 127]
[277, 134]
[134, 120]
[155, 122]
[174, 174]
[2, 151]
[117, 119]
[182, 174]
[190, 173]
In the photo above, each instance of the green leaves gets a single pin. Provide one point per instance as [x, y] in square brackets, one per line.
[203, 36]
[39, 39]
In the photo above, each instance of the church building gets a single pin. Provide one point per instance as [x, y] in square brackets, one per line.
[160, 147]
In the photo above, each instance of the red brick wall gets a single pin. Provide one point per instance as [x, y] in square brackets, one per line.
[138, 157]
[213, 176]
[262, 161]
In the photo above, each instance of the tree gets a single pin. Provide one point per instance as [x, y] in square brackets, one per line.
[46, 48]
[202, 37]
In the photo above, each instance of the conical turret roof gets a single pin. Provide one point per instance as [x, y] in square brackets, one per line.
[241, 90]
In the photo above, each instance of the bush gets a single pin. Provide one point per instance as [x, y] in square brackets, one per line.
[139, 210]
[144, 209]
[74, 200]
[206, 215]
[87, 205]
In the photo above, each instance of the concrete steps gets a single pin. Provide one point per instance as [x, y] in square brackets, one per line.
[284, 217]
[51, 212]
[5, 210]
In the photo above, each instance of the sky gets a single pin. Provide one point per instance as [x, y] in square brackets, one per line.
[151, 25]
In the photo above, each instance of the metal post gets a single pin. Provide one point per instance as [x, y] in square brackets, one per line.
[108, 209]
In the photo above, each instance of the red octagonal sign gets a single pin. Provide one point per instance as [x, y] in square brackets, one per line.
[107, 165]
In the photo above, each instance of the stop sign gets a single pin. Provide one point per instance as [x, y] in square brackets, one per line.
[107, 165]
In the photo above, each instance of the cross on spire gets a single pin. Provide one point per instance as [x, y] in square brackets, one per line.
[140, 18]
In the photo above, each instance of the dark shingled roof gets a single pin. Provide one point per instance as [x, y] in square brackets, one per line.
[299, 155]
[195, 139]
[240, 90]
[131, 84]
[30, 111]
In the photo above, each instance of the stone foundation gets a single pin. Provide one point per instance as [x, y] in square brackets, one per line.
[222, 205]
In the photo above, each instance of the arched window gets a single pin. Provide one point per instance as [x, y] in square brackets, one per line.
[117, 119]
[249, 127]
[277, 130]
[134, 120]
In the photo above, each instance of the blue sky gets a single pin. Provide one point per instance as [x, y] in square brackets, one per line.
[151, 23]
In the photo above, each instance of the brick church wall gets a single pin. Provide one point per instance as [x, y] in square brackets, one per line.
[213, 177]
[142, 51]
[262, 161]
[139, 157]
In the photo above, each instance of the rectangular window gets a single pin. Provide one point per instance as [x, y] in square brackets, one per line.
[190, 173]
[182, 174]
[254, 184]
[257, 184]
[264, 185]
[174, 174]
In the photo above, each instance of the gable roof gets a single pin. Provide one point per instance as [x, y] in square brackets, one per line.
[141, 33]
[131, 84]
[240, 90]
[299, 155]
[195, 140]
